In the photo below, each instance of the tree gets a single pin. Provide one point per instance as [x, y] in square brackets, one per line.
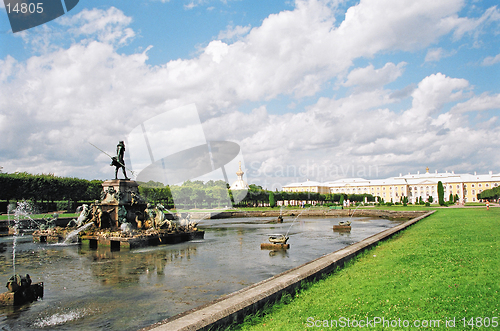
[431, 199]
[440, 193]
[272, 203]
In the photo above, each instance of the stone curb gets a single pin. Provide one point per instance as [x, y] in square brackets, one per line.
[235, 306]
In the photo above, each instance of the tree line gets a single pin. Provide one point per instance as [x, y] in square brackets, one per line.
[491, 194]
[48, 188]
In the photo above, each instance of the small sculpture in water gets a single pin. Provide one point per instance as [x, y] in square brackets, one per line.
[343, 226]
[278, 239]
[21, 290]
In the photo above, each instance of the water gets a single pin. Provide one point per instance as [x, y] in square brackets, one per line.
[72, 236]
[102, 290]
[23, 210]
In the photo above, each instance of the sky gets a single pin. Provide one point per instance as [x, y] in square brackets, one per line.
[318, 89]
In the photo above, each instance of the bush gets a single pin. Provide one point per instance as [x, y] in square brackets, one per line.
[427, 204]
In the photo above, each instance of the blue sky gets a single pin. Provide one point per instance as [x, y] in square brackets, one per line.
[306, 88]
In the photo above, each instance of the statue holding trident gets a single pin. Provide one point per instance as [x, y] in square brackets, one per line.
[118, 160]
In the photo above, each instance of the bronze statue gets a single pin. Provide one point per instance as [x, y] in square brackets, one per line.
[118, 160]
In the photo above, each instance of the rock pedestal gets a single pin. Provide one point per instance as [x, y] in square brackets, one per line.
[120, 203]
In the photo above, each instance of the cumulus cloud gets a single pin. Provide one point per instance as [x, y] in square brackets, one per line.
[358, 136]
[104, 25]
[371, 78]
[484, 101]
[465, 25]
[234, 32]
[491, 60]
[53, 103]
[436, 54]
[432, 93]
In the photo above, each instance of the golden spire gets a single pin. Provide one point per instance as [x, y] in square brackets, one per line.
[240, 172]
[427, 170]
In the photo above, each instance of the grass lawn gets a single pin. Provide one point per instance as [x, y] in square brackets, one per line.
[444, 268]
[40, 216]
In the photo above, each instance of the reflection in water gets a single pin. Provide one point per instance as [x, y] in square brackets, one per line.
[125, 290]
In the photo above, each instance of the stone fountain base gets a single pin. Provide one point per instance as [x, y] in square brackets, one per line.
[136, 239]
[51, 236]
[117, 240]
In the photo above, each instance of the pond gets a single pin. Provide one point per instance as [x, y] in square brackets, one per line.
[103, 290]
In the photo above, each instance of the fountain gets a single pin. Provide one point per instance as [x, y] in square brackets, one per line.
[345, 225]
[20, 289]
[279, 241]
[122, 219]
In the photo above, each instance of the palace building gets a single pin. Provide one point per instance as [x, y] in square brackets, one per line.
[412, 186]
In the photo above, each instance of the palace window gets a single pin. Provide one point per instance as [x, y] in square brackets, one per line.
[480, 185]
[472, 185]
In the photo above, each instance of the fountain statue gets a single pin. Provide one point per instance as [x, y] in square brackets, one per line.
[122, 218]
[20, 291]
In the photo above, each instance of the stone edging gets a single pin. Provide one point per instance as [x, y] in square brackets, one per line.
[235, 306]
[390, 214]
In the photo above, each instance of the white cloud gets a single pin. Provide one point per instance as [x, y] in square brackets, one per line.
[474, 25]
[432, 93]
[491, 60]
[235, 32]
[358, 136]
[371, 78]
[436, 54]
[217, 49]
[55, 102]
[105, 25]
[478, 103]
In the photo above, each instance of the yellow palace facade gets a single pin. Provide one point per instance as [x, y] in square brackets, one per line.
[413, 186]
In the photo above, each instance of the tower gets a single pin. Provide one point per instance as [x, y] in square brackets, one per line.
[239, 184]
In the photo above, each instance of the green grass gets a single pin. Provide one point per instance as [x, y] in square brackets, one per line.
[40, 216]
[446, 266]
[399, 207]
